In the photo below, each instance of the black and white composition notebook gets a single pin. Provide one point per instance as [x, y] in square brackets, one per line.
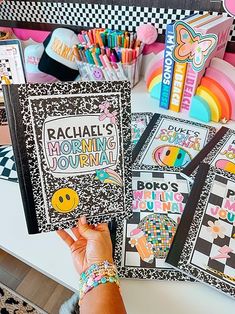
[72, 146]
[204, 243]
[170, 143]
[219, 152]
[143, 241]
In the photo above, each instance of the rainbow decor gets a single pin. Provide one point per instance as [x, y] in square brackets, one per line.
[212, 101]
[215, 97]
[154, 77]
[200, 109]
[156, 91]
[220, 95]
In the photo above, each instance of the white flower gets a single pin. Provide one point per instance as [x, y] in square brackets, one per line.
[216, 229]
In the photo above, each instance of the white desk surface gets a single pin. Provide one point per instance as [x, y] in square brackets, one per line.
[47, 254]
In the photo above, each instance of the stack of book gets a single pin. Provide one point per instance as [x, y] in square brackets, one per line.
[179, 80]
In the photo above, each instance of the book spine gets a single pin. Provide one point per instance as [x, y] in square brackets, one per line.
[177, 245]
[222, 30]
[14, 118]
[177, 86]
[188, 170]
[189, 88]
[168, 68]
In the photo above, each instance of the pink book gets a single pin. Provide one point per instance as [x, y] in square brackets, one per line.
[221, 27]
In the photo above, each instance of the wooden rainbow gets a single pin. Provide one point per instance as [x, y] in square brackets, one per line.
[216, 93]
[154, 79]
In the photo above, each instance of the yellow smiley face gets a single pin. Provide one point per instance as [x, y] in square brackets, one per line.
[65, 200]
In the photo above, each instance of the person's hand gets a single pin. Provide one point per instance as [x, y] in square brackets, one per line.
[91, 244]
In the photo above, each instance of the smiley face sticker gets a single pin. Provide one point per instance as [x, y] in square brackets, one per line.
[65, 200]
[98, 74]
[171, 156]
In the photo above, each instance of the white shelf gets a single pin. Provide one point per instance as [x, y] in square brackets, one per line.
[47, 253]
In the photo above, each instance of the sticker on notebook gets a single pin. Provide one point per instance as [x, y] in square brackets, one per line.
[172, 156]
[139, 240]
[159, 230]
[225, 156]
[78, 145]
[65, 200]
[192, 47]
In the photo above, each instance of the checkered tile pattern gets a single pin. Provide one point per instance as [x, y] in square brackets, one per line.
[207, 247]
[131, 256]
[7, 164]
[92, 15]
[5, 70]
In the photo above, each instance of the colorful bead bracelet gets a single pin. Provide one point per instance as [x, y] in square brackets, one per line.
[96, 274]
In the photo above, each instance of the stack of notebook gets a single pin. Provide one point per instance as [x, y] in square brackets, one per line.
[175, 211]
[183, 223]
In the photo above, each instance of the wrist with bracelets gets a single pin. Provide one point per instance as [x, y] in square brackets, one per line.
[96, 274]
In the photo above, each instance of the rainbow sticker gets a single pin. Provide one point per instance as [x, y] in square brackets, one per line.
[172, 156]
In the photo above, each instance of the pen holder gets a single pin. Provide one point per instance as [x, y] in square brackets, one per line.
[132, 70]
[114, 72]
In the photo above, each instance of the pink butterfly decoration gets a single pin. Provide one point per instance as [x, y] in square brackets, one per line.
[193, 47]
[104, 107]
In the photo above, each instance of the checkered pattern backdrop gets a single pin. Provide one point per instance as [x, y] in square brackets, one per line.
[93, 15]
[7, 164]
[5, 70]
[206, 247]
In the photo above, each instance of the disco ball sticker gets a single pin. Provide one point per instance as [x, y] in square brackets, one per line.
[159, 230]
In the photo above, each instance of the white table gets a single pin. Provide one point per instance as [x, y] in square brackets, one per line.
[47, 254]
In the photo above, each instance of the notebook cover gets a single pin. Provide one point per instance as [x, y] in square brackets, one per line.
[204, 243]
[170, 143]
[72, 145]
[139, 122]
[219, 152]
[143, 241]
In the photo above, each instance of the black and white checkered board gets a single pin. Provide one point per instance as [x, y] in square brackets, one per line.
[7, 164]
[93, 15]
[5, 70]
[132, 257]
[207, 250]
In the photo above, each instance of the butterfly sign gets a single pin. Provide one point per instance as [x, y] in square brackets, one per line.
[192, 47]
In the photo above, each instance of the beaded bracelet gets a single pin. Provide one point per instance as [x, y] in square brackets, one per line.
[96, 274]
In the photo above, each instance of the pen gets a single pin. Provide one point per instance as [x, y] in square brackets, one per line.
[112, 72]
[95, 59]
